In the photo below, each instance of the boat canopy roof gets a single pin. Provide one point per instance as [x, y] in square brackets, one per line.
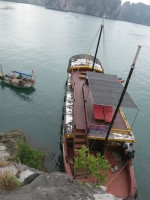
[84, 60]
[29, 75]
[106, 89]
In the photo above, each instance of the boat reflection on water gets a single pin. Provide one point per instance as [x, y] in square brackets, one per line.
[23, 94]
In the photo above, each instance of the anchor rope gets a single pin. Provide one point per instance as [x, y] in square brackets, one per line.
[139, 194]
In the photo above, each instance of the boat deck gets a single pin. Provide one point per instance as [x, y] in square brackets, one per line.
[79, 111]
[117, 180]
[83, 110]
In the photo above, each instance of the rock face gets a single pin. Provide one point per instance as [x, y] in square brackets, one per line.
[55, 186]
[10, 139]
[137, 13]
[8, 147]
[98, 8]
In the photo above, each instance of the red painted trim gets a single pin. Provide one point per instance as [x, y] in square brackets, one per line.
[132, 181]
[66, 159]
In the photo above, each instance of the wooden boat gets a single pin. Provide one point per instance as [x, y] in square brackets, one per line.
[93, 116]
[18, 79]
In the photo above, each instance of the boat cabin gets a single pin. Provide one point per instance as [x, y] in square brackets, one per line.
[101, 95]
[94, 97]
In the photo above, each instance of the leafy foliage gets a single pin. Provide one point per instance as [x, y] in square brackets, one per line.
[96, 166]
[8, 181]
[28, 156]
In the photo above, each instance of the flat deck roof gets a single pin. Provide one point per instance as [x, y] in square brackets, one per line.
[84, 117]
[107, 89]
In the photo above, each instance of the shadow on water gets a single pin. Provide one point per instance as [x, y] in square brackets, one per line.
[60, 161]
[23, 94]
[51, 164]
[54, 162]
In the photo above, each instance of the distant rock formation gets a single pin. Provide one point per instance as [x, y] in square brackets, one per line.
[137, 13]
[100, 8]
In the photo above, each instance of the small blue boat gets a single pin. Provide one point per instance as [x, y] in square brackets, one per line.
[18, 79]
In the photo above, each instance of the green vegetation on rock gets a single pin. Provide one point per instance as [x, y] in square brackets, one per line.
[8, 181]
[28, 156]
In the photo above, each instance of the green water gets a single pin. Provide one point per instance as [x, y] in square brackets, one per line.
[32, 37]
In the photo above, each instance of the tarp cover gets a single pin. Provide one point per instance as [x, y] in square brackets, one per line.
[106, 89]
[22, 73]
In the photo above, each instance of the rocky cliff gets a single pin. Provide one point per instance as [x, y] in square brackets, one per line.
[112, 9]
[137, 13]
[36, 184]
[100, 8]
[55, 186]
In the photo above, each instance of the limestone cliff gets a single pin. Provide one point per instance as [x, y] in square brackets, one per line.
[137, 13]
[100, 8]
[112, 9]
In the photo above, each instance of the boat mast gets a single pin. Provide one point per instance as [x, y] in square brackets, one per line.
[102, 25]
[121, 98]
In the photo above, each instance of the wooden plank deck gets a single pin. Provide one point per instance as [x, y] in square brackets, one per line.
[117, 181]
[79, 110]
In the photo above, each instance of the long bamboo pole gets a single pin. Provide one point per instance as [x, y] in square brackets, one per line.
[121, 98]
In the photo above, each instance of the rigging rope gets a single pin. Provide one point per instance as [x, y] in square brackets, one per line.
[139, 193]
[93, 40]
[105, 60]
[117, 173]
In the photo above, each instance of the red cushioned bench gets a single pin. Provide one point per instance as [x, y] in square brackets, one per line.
[108, 113]
[98, 112]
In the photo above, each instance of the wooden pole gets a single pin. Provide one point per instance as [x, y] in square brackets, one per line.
[121, 99]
